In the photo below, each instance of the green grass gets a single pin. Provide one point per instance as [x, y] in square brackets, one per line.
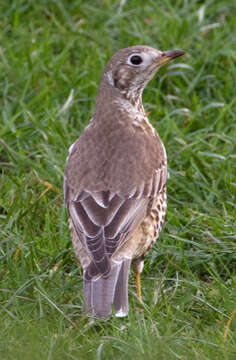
[48, 48]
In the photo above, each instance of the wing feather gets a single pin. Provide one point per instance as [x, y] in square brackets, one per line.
[103, 220]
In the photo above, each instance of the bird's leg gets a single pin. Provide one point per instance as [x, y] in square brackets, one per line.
[138, 267]
[138, 285]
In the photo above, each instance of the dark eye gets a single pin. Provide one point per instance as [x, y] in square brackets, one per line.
[136, 60]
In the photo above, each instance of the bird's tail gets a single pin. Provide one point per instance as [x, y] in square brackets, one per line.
[101, 293]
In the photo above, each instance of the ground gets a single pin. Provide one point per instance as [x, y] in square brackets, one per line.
[51, 57]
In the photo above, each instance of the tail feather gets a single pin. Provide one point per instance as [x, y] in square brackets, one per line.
[101, 293]
[121, 303]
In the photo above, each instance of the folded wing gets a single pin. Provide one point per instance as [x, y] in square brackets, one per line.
[104, 220]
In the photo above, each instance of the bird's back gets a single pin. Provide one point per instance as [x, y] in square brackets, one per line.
[115, 157]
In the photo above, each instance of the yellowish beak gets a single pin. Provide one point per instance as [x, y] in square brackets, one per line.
[166, 56]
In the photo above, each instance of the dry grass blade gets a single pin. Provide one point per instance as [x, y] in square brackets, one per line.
[229, 323]
[48, 185]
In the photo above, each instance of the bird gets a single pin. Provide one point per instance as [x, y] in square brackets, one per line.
[115, 183]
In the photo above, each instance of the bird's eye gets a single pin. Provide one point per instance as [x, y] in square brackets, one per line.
[136, 60]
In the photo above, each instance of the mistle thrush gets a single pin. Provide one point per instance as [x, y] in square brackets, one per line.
[115, 182]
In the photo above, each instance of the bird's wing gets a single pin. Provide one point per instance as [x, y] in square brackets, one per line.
[103, 220]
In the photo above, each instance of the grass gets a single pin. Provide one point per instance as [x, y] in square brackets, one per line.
[49, 48]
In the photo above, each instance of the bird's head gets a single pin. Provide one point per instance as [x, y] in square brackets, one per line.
[130, 69]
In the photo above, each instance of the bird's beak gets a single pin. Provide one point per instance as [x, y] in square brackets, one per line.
[166, 56]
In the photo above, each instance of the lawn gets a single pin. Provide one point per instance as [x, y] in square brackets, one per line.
[51, 57]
